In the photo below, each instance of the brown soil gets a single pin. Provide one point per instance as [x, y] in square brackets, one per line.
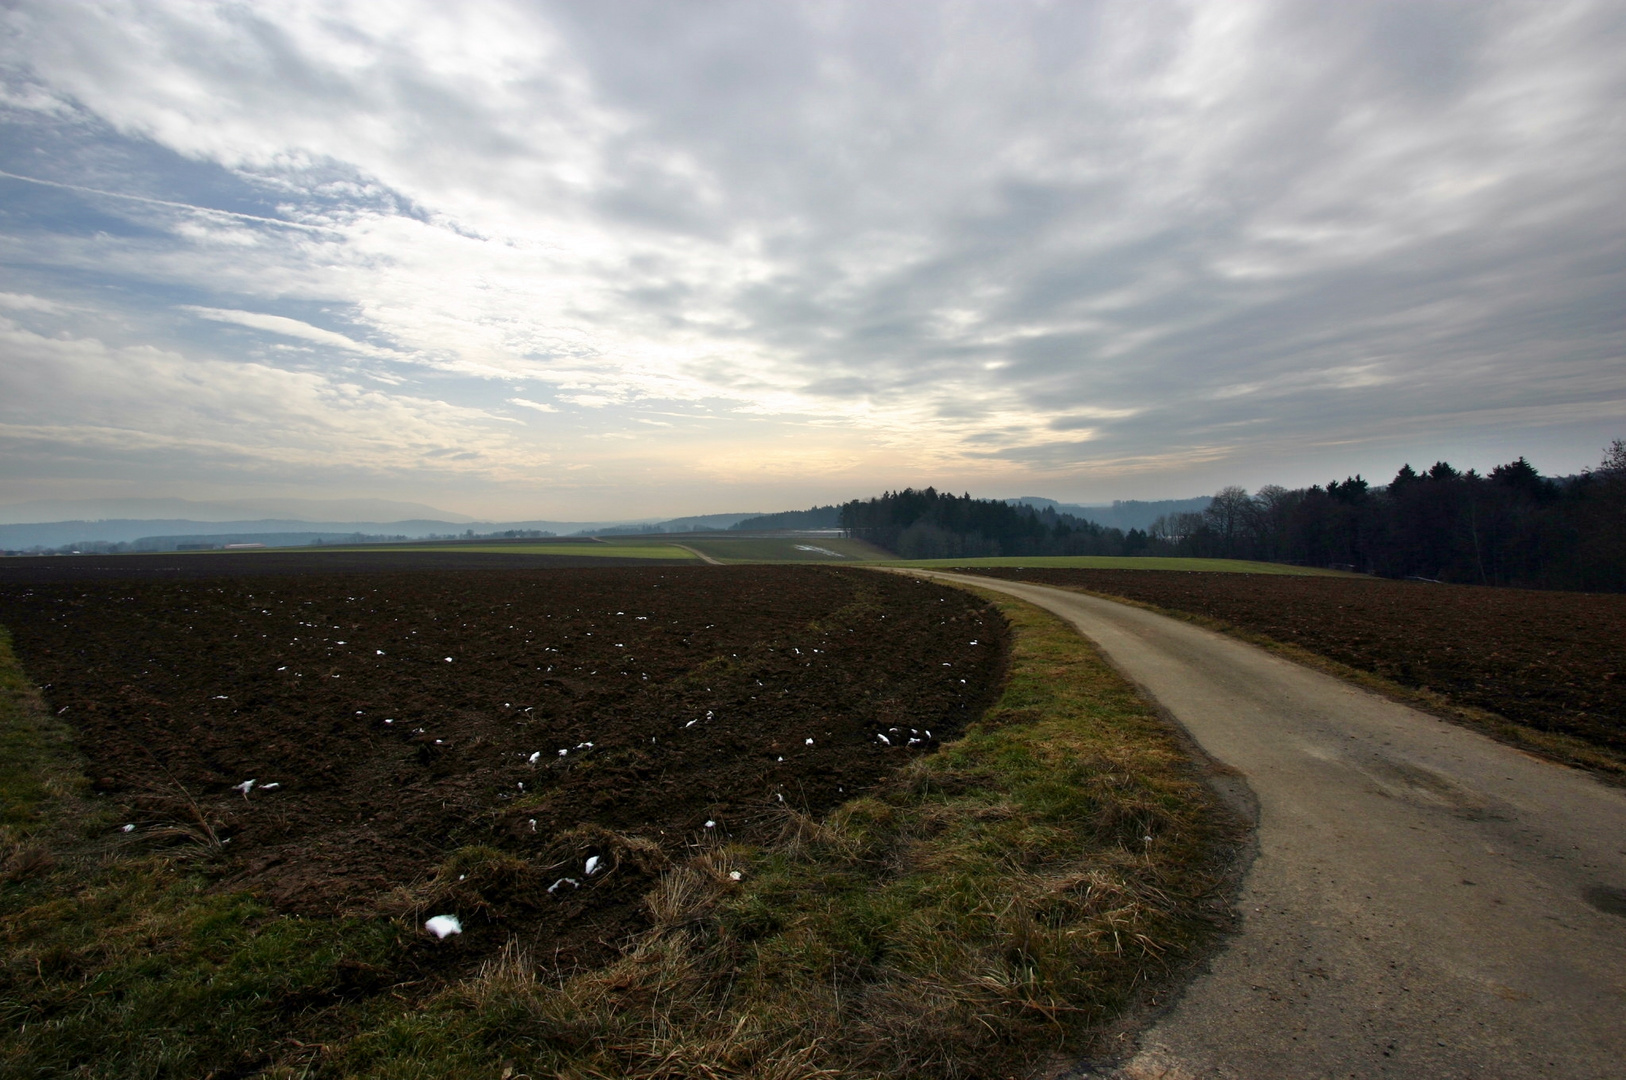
[1555, 661]
[391, 719]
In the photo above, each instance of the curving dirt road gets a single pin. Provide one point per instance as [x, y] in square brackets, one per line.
[1424, 902]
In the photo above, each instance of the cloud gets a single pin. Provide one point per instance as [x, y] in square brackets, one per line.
[83, 396]
[278, 324]
[1224, 235]
[23, 302]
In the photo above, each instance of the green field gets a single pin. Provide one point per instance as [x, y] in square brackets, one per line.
[1126, 562]
[785, 549]
[642, 549]
[798, 549]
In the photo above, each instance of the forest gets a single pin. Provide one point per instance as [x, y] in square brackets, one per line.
[1511, 526]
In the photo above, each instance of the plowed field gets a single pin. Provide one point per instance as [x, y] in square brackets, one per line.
[200, 565]
[388, 720]
[1554, 661]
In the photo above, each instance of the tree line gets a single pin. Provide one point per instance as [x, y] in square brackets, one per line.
[1512, 526]
[929, 524]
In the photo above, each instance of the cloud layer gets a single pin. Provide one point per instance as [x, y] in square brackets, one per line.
[563, 259]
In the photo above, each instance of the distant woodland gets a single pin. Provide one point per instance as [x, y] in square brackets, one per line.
[815, 517]
[1510, 527]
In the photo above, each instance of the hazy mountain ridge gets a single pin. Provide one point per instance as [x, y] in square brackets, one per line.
[199, 523]
[309, 511]
[285, 531]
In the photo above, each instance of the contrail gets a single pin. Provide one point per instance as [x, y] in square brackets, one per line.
[167, 202]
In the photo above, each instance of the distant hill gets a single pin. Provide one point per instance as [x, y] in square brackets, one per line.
[227, 522]
[1125, 514]
[164, 534]
[300, 510]
[816, 517]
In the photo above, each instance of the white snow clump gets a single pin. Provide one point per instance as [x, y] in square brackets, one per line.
[443, 926]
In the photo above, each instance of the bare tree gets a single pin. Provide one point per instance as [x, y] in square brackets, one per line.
[1231, 516]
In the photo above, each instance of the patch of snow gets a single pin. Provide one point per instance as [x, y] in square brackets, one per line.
[245, 787]
[572, 882]
[592, 865]
[444, 926]
[128, 828]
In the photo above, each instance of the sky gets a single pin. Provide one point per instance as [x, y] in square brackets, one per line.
[613, 259]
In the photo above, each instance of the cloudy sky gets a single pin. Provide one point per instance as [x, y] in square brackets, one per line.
[626, 259]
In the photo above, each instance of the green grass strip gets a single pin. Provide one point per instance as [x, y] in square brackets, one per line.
[786, 549]
[36, 754]
[592, 551]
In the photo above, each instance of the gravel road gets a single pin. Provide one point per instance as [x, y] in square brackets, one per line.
[1424, 902]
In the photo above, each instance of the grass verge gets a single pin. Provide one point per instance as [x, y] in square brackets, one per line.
[999, 902]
